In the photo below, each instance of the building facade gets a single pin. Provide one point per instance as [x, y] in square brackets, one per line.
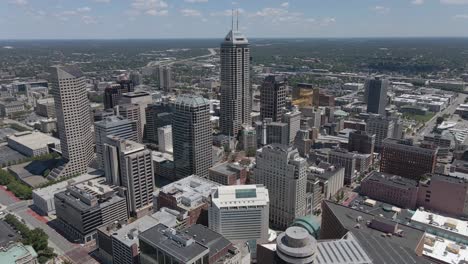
[376, 95]
[272, 98]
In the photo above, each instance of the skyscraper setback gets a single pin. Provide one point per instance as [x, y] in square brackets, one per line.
[236, 96]
[73, 120]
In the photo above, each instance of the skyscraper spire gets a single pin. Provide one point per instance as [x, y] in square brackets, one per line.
[237, 10]
[232, 19]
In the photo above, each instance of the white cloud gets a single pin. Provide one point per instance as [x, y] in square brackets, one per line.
[417, 2]
[190, 12]
[19, 2]
[227, 12]
[461, 16]
[88, 20]
[83, 9]
[454, 2]
[285, 4]
[149, 7]
[381, 9]
[196, 1]
[102, 1]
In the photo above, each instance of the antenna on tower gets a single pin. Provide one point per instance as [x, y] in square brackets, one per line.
[232, 19]
[237, 19]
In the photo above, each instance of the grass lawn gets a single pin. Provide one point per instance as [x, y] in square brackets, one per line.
[419, 118]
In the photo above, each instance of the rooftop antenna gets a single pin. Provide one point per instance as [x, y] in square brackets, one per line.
[232, 19]
[237, 19]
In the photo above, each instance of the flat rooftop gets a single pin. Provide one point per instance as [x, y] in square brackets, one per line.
[391, 180]
[447, 224]
[227, 168]
[240, 195]
[49, 191]
[33, 140]
[444, 250]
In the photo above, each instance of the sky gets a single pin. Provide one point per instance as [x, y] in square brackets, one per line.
[152, 19]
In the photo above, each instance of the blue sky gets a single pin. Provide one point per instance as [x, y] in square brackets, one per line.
[69, 19]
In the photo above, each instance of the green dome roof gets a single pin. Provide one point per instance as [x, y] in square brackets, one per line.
[310, 223]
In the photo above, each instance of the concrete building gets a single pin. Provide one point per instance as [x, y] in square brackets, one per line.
[113, 126]
[163, 164]
[85, 206]
[228, 174]
[166, 82]
[33, 144]
[113, 93]
[330, 176]
[272, 98]
[376, 95]
[45, 107]
[43, 198]
[401, 157]
[392, 189]
[347, 160]
[132, 112]
[195, 244]
[269, 132]
[130, 165]
[157, 115]
[284, 173]
[118, 242]
[381, 127]
[236, 97]
[189, 196]
[9, 108]
[240, 213]
[73, 120]
[293, 119]
[18, 254]
[248, 139]
[361, 142]
[165, 139]
[140, 98]
[191, 136]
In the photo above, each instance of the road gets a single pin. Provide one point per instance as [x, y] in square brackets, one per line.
[450, 110]
[61, 245]
[211, 50]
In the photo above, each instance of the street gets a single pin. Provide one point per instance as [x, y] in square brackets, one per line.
[21, 208]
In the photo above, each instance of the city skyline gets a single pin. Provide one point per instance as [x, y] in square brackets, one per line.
[114, 19]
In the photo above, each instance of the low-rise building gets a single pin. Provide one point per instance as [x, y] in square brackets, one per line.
[33, 144]
[18, 254]
[8, 108]
[163, 164]
[85, 206]
[228, 174]
[189, 195]
[45, 107]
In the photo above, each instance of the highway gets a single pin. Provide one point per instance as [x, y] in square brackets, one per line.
[450, 110]
[154, 63]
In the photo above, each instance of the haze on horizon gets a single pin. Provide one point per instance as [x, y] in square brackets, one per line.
[154, 19]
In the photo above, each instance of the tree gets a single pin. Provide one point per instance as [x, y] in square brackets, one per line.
[439, 120]
[251, 152]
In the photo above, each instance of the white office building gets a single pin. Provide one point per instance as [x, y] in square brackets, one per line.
[240, 212]
[165, 139]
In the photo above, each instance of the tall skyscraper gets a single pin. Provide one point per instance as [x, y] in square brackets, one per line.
[129, 164]
[380, 126]
[142, 99]
[113, 93]
[284, 173]
[157, 115]
[165, 139]
[272, 98]
[73, 120]
[293, 119]
[236, 98]
[361, 142]
[240, 213]
[166, 82]
[376, 95]
[115, 126]
[192, 136]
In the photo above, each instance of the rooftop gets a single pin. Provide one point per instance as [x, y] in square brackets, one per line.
[227, 168]
[192, 101]
[390, 179]
[112, 121]
[235, 37]
[16, 252]
[240, 195]
[33, 140]
[444, 250]
[49, 191]
[135, 94]
[341, 251]
[447, 224]
[127, 146]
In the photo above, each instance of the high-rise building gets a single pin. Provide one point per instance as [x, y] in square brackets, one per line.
[347, 160]
[129, 164]
[240, 213]
[236, 98]
[73, 120]
[361, 142]
[157, 115]
[132, 112]
[402, 158]
[165, 139]
[113, 93]
[115, 126]
[272, 98]
[142, 99]
[376, 95]
[135, 78]
[381, 127]
[228, 174]
[191, 136]
[293, 119]
[284, 173]
[166, 82]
